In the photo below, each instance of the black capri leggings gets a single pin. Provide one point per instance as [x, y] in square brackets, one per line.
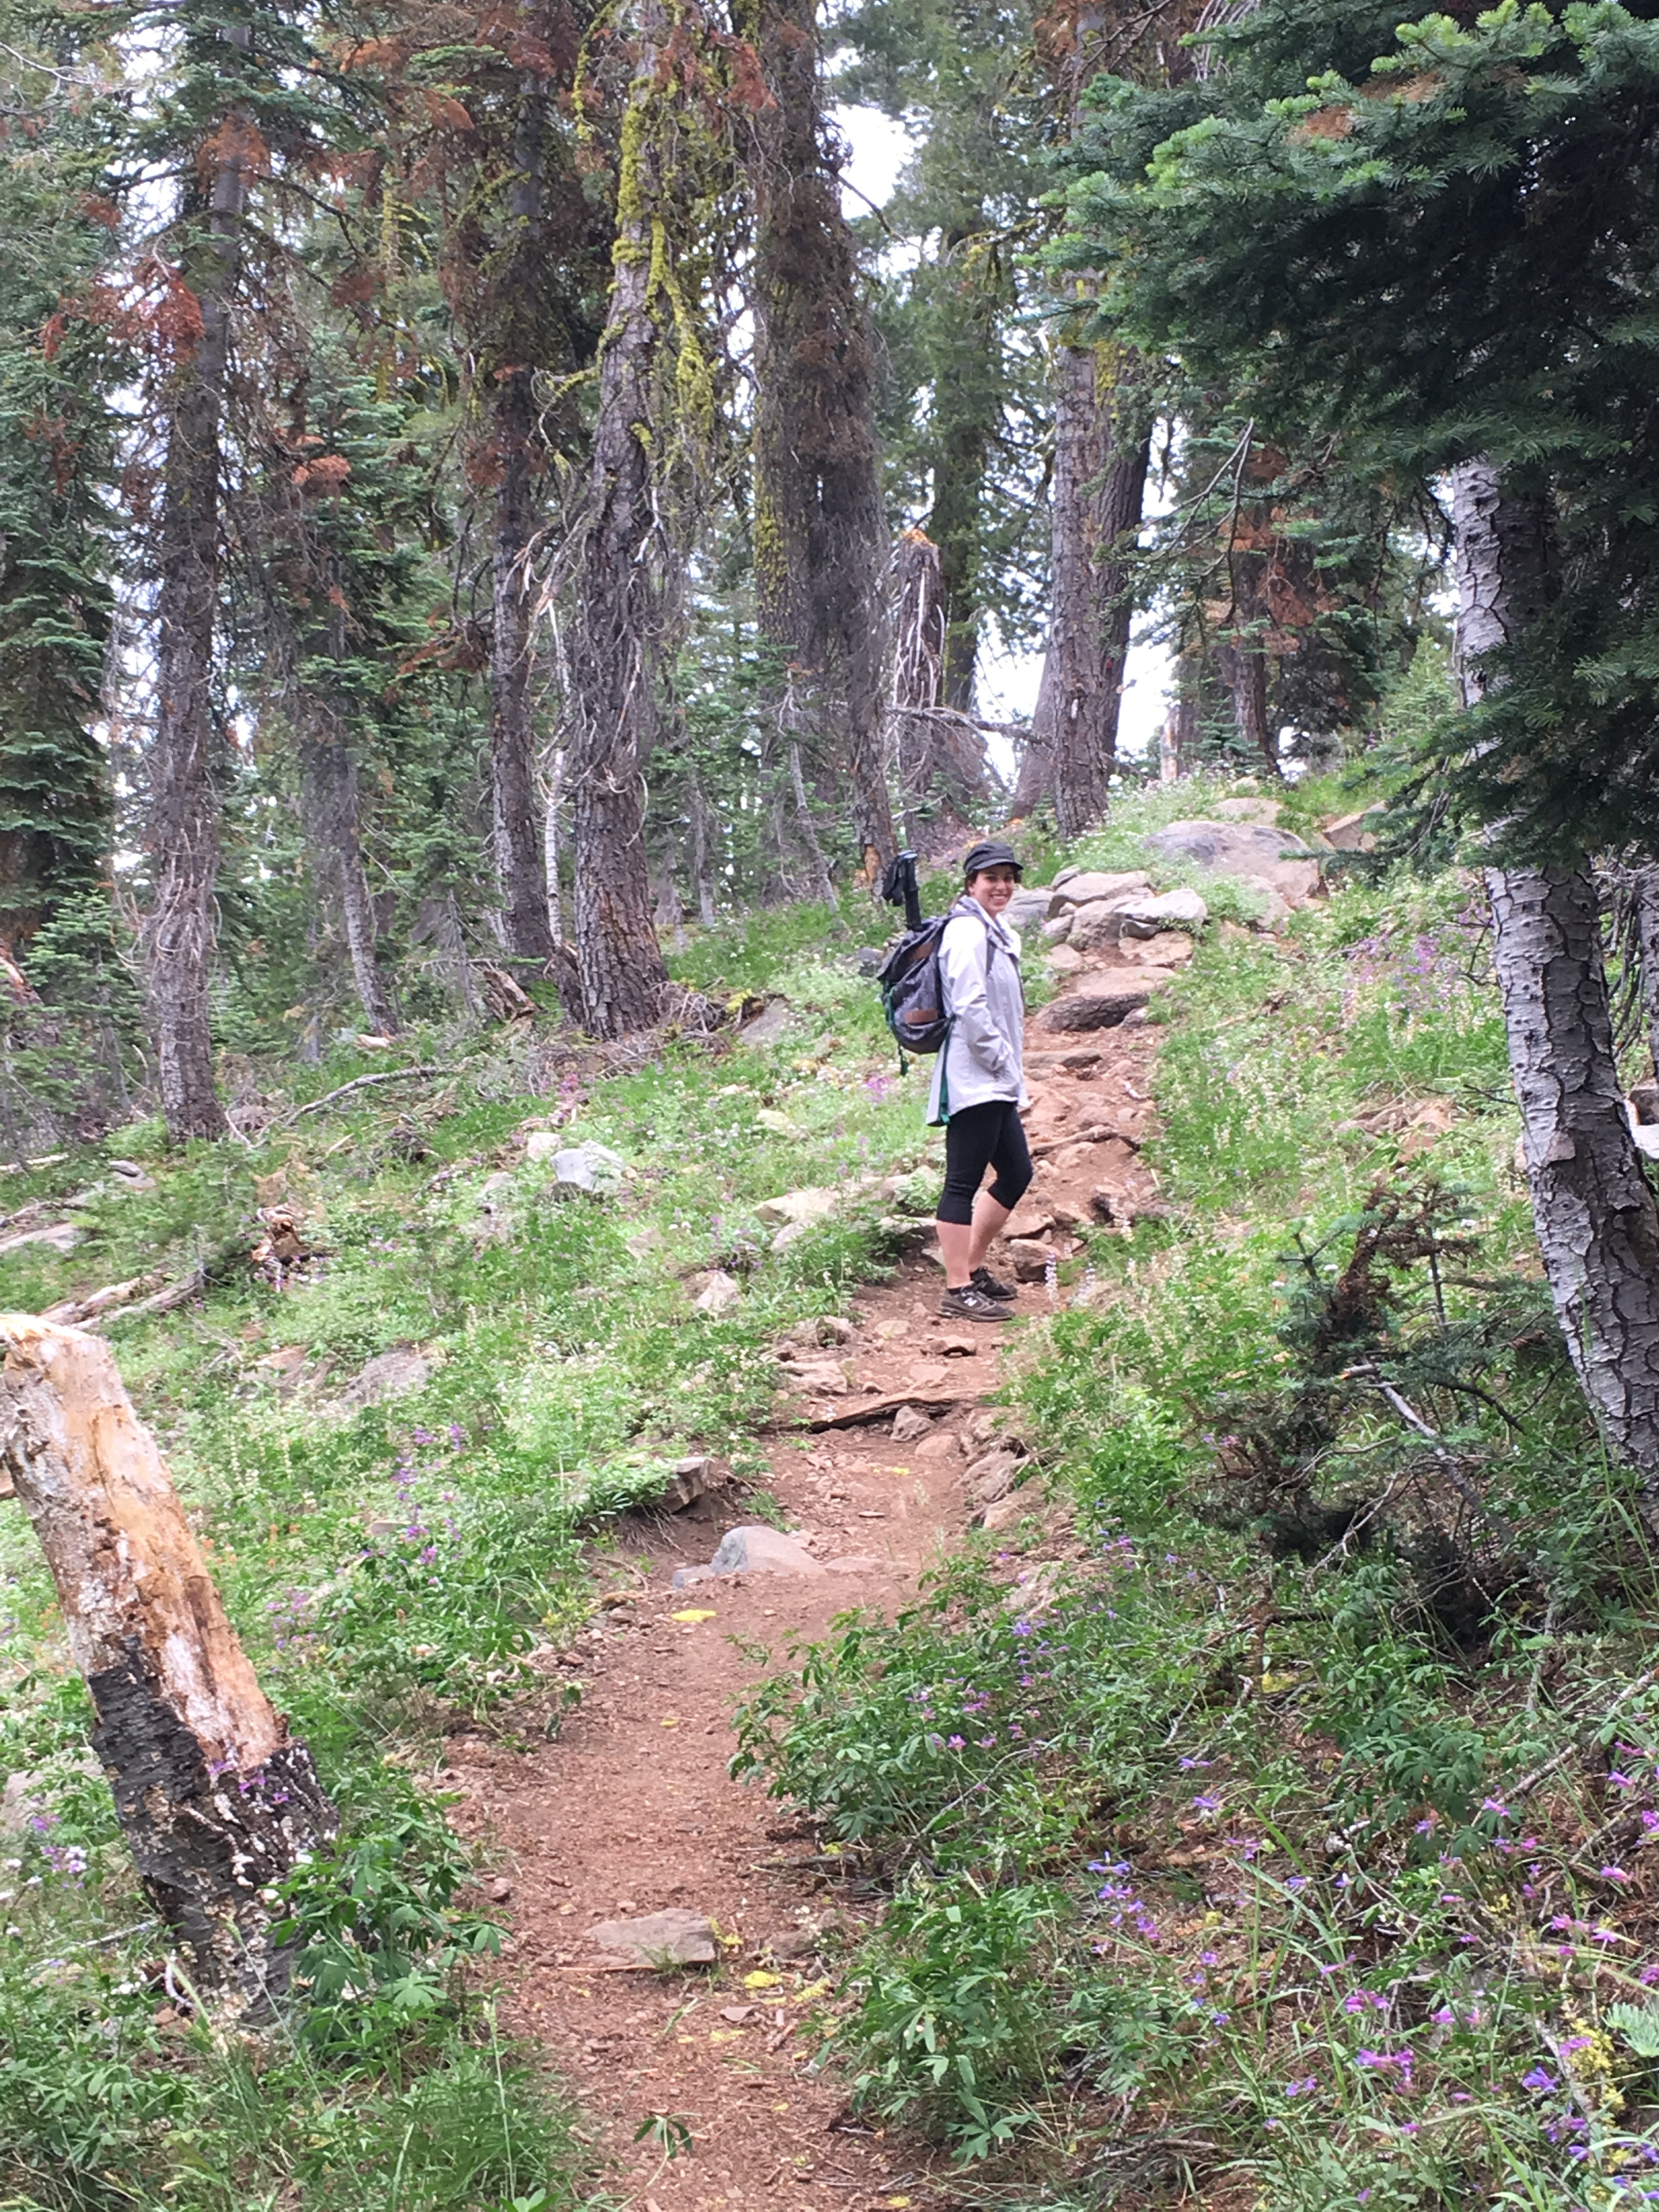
[978, 1137]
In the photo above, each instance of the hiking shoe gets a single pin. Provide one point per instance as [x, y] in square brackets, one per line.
[970, 1303]
[986, 1282]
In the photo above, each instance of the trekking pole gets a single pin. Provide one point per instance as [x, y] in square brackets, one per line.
[899, 886]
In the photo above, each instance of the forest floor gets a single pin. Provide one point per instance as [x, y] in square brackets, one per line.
[632, 1810]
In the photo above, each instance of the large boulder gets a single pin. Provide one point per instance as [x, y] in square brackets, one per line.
[1275, 907]
[1026, 907]
[1356, 833]
[1245, 849]
[754, 1551]
[1176, 909]
[1089, 885]
[1100, 922]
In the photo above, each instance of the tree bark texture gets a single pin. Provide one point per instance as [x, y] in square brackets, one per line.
[1103, 437]
[967, 413]
[628, 611]
[1646, 895]
[183, 829]
[551, 845]
[215, 1799]
[702, 872]
[820, 525]
[939, 754]
[1034, 781]
[328, 771]
[1244, 672]
[1598, 1227]
[514, 800]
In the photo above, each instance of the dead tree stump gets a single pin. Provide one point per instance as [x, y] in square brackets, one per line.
[215, 1799]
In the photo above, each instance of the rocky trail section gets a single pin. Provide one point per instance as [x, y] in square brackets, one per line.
[671, 1930]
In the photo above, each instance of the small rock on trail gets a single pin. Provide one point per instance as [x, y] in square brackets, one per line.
[673, 1938]
[756, 1551]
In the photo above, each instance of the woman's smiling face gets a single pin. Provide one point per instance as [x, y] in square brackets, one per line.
[993, 888]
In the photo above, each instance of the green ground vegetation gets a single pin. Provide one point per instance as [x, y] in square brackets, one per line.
[1202, 1798]
[1274, 1807]
[396, 1566]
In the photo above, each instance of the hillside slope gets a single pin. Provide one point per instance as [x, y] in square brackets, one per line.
[1258, 1811]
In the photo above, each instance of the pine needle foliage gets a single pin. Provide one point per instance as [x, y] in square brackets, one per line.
[1433, 242]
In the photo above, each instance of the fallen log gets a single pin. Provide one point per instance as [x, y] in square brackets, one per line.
[216, 1801]
[76, 1313]
[866, 1410]
[162, 1301]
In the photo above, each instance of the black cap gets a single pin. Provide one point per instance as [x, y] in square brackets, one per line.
[993, 854]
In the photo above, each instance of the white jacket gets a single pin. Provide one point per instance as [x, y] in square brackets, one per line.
[983, 1056]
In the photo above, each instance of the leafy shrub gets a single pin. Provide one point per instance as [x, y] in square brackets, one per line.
[951, 2027]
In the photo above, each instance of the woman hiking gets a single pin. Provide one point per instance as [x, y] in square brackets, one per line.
[979, 1083]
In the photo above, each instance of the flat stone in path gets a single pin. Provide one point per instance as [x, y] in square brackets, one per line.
[1101, 1009]
[675, 1937]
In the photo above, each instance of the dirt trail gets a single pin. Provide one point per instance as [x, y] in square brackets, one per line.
[632, 1811]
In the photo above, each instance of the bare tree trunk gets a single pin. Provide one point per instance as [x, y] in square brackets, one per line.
[183, 829]
[1169, 748]
[967, 418]
[920, 642]
[550, 846]
[1244, 673]
[701, 873]
[330, 776]
[1598, 1228]
[1647, 932]
[1103, 439]
[216, 1800]
[1035, 780]
[520, 869]
[820, 527]
[940, 755]
[628, 609]
[821, 880]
